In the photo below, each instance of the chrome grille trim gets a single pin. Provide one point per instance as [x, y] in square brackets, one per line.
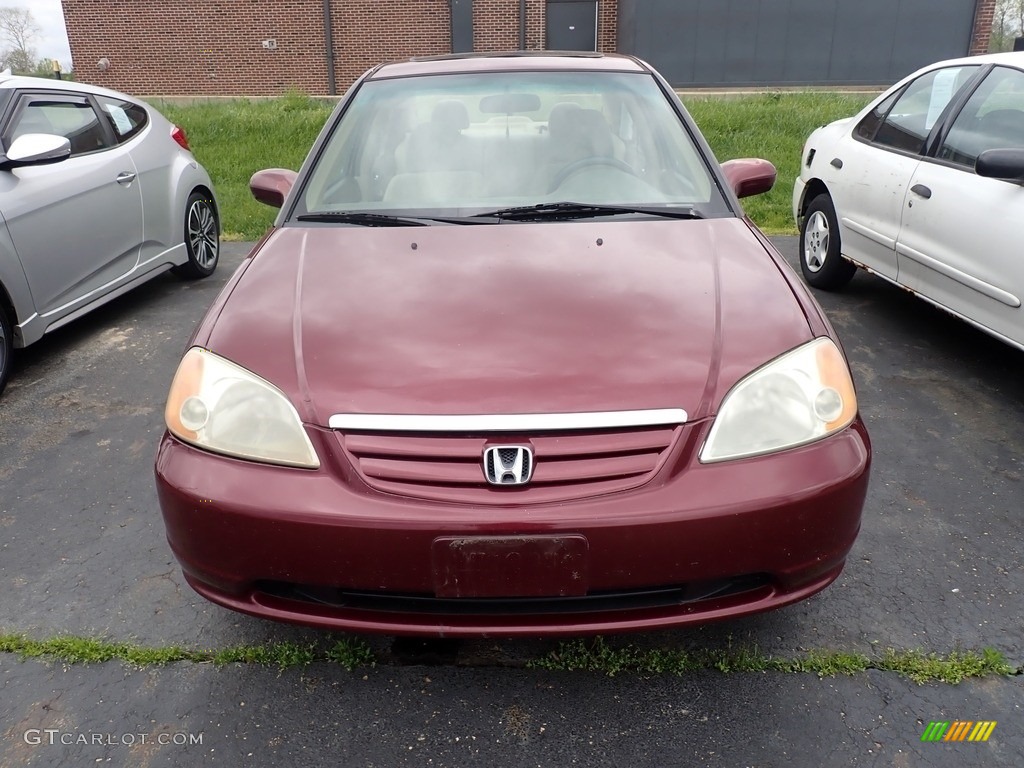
[506, 422]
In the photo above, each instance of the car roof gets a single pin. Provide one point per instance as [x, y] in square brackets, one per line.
[52, 84]
[1013, 59]
[518, 61]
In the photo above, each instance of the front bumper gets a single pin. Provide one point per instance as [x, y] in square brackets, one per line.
[697, 543]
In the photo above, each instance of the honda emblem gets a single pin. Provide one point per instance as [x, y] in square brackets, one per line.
[508, 465]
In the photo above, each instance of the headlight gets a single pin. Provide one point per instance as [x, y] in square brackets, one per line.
[802, 396]
[222, 407]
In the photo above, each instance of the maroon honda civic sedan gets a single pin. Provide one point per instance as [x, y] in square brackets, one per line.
[512, 361]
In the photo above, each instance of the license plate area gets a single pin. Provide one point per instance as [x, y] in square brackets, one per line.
[510, 566]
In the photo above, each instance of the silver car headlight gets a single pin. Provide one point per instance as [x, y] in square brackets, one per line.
[222, 407]
[797, 398]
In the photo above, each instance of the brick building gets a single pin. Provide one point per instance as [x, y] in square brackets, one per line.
[253, 47]
[267, 47]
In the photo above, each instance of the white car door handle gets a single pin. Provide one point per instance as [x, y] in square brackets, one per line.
[127, 177]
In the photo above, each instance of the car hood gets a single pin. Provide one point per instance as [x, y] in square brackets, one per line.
[509, 318]
[833, 130]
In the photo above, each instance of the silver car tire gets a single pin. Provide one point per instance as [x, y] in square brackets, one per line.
[820, 247]
[6, 347]
[202, 237]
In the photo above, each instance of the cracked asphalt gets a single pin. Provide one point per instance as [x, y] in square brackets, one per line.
[938, 566]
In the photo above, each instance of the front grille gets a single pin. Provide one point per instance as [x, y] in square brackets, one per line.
[566, 465]
[751, 585]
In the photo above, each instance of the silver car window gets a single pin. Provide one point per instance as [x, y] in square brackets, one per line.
[127, 119]
[70, 116]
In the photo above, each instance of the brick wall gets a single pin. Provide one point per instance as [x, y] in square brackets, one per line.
[169, 47]
[607, 25]
[367, 32]
[983, 18]
[215, 47]
[495, 25]
[536, 25]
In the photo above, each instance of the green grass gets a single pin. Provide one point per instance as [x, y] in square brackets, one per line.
[594, 655]
[598, 656]
[773, 126]
[69, 649]
[236, 138]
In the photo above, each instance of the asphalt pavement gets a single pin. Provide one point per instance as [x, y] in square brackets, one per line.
[938, 567]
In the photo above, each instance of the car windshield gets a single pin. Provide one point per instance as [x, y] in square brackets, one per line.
[465, 144]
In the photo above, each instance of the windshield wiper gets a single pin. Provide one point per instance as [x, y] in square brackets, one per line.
[367, 219]
[570, 210]
[362, 218]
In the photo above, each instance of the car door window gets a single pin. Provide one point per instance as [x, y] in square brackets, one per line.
[868, 125]
[64, 115]
[993, 118]
[126, 118]
[919, 107]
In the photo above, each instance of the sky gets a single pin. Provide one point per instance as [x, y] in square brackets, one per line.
[52, 40]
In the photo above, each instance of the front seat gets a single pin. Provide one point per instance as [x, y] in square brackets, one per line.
[575, 135]
[438, 145]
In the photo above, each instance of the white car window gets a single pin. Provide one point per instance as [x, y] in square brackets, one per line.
[993, 118]
[868, 125]
[916, 111]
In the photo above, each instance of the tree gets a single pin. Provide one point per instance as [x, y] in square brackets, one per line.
[1007, 24]
[17, 31]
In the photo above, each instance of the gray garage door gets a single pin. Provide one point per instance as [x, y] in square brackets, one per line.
[793, 42]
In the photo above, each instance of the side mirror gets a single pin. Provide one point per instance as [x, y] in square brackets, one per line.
[1004, 164]
[749, 175]
[36, 149]
[271, 186]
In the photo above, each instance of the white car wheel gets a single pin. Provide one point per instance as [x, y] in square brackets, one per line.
[820, 259]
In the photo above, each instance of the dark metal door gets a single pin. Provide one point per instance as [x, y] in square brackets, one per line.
[572, 25]
[462, 26]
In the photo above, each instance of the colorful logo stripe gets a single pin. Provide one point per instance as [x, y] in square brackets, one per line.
[959, 730]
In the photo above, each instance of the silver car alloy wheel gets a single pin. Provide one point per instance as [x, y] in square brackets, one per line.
[202, 233]
[815, 245]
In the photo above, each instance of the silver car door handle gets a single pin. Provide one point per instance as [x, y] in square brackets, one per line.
[125, 178]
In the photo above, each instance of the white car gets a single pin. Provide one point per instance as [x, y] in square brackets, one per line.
[925, 187]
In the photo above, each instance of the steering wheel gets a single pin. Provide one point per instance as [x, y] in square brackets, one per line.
[587, 162]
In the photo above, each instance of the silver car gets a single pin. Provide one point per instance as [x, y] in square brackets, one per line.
[98, 193]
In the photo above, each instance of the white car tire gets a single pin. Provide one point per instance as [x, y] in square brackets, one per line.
[820, 259]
